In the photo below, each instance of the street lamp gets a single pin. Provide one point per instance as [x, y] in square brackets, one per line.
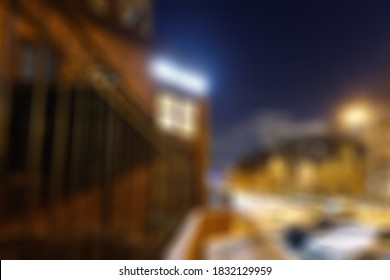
[356, 116]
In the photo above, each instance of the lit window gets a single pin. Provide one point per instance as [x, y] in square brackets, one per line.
[176, 115]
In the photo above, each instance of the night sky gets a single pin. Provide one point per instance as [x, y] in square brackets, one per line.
[301, 57]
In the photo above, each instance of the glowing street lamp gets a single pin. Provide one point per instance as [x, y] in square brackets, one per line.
[172, 74]
[356, 116]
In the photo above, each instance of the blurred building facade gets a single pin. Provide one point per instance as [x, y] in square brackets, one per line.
[85, 169]
[323, 165]
[369, 123]
[378, 156]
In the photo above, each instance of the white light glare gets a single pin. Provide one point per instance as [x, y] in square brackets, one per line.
[166, 71]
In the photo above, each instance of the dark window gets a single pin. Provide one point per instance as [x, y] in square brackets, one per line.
[28, 57]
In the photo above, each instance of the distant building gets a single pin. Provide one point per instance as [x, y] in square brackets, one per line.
[369, 123]
[318, 165]
[378, 155]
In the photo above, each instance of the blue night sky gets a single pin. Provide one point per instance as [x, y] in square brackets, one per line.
[301, 57]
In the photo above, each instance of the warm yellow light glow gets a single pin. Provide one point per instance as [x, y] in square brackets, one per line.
[306, 174]
[176, 115]
[356, 116]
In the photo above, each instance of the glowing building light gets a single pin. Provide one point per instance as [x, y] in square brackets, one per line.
[167, 72]
[176, 115]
